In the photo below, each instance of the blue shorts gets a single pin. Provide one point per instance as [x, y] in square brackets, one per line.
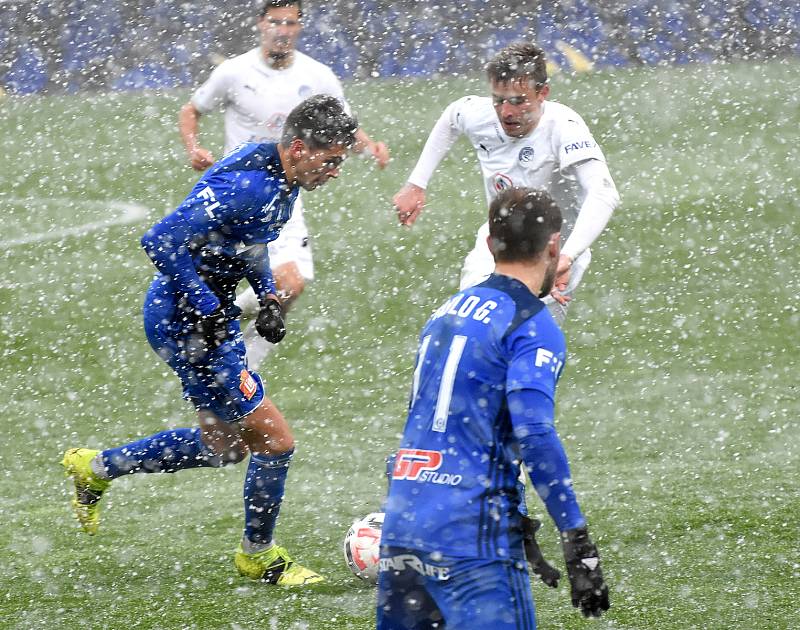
[217, 381]
[419, 590]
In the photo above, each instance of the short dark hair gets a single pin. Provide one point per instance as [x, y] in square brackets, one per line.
[520, 60]
[321, 122]
[521, 223]
[276, 4]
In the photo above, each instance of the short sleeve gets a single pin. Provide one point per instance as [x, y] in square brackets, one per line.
[456, 113]
[214, 92]
[575, 142]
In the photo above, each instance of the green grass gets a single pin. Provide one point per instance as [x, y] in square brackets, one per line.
[678, 407]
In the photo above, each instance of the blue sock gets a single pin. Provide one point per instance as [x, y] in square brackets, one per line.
[263, 493]
[168, 451]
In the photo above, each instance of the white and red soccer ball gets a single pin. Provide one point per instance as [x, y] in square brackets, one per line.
[362, 547]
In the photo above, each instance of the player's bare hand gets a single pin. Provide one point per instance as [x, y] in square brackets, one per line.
[557, 293]
[408, 203]
[201, 158]
[563, 274]
[380, 152]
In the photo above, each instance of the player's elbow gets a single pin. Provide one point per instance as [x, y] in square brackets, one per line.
[151, 244]
[189, 111]
[605, 195]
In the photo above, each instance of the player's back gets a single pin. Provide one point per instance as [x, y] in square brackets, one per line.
[453, 487]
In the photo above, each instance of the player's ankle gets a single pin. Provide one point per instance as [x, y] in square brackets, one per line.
[250, 548]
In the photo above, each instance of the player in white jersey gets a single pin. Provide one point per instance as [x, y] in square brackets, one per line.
[258, 89]
[522, 139]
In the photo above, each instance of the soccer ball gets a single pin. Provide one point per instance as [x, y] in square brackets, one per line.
[362, 547]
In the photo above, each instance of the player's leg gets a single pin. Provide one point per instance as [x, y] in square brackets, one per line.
[482, 593]
[211, 444]
[479, 263]
[167, 451]
[403, 599]
[271, 445]
[239, 400]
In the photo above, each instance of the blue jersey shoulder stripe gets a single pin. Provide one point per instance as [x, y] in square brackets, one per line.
[527, 304]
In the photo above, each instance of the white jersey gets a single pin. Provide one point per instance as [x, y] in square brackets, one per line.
[539, 160]
[257, 97]
[559, 155]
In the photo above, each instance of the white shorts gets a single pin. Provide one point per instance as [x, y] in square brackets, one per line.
[479, 264]
[293, 245]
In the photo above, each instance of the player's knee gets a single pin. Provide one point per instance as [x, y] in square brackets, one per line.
[289, 282]
[273, 445]
[291, 290]
[285, 445]
[220, 455]
[234, 454]
[280, 440]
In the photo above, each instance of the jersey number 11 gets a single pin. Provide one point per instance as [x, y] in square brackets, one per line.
[447, 381]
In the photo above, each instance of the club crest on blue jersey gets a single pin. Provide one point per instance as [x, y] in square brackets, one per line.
[525, 154]
[502, 181]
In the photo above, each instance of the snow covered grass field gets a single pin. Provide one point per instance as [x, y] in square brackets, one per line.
[678, 406]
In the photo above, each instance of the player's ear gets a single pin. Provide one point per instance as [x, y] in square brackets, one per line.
[490, 244]
[554, 245]
[544, 91]
[297, 148]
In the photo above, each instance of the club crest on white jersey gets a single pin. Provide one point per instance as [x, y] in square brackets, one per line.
[525, 154]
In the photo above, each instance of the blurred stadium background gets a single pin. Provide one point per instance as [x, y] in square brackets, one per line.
[71, 45]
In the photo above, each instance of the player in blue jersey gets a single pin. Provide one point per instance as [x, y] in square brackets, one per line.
[217, 237]
[482, 402]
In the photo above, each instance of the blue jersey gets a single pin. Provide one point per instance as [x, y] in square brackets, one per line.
[219, 234]
[453, 488]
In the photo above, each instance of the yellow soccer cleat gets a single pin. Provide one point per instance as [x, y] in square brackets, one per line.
[274, 566]
[89, 487]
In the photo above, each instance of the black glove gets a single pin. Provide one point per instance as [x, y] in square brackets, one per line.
[589, 591]
[541, 567]
[213, 328]
[269, 323]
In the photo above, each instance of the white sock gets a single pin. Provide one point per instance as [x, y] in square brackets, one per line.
[256, 346]
[250, 547]
[248, 302]
[98, 467]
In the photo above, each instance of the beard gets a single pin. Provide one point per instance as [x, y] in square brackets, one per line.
[278, 55]
[549, 278]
